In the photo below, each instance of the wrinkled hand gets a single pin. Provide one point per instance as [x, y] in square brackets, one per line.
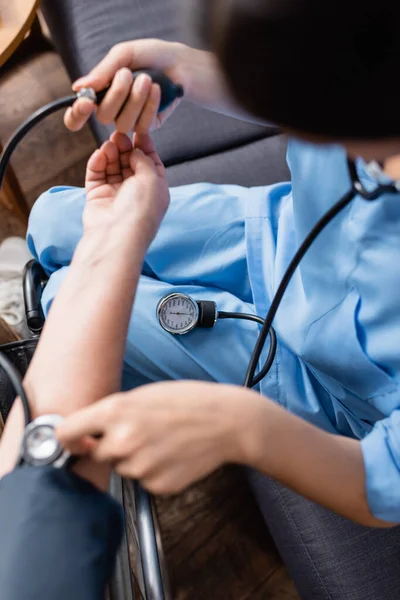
[167, 435]
[125, 185]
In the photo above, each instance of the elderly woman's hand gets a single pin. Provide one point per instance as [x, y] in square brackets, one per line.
[126, 186]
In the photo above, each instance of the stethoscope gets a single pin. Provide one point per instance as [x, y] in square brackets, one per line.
[177, 313]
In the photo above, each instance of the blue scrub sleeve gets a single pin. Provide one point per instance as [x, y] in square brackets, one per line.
[381, 452]
[59, 536]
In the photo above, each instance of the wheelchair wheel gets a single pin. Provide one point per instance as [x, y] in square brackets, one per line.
[142, 556]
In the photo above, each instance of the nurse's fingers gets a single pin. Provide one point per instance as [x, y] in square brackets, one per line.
[121, 55]
[116, 96]
[90, 421]
[134, 106]
[77, 115]
[149, 114]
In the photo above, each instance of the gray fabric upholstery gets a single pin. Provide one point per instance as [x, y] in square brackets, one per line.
[83, 32]
[258, 163]
[329, 557]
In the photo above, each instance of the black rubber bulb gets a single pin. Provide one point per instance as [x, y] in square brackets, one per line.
[169, 90]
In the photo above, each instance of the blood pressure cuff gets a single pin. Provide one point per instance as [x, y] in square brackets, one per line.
[59, 536]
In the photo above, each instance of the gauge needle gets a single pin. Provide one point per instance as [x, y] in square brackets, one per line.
[179, 313]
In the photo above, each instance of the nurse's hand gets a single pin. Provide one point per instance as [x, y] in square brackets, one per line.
[172, 434]
[139, 101]
[196, 70]
[126, 185]
[168, 435]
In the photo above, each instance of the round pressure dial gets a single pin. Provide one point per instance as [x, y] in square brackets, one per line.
[178, 313]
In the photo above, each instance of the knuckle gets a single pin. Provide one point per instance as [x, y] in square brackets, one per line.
[108, 409]
[156, 486]
[120, 405]
[118, 49]
[141, 468]
[119, 451]
[122, 439]
[100, 456]
[125, 470]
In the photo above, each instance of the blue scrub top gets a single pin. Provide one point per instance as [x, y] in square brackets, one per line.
[338, 327]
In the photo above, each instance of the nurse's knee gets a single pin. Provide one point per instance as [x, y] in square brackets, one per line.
[56, 219]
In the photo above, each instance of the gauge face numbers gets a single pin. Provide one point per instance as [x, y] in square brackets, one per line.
[178, 313]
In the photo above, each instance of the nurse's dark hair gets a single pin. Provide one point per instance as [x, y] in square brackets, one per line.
[325, 67]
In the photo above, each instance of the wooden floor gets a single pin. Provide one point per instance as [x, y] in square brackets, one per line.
[49, 155]
[215, 541]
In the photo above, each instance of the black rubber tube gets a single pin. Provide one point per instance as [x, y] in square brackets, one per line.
[26, 126]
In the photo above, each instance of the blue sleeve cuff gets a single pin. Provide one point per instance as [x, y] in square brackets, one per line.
[381, 452]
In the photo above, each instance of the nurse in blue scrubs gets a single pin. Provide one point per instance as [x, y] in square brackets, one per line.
[326, 423]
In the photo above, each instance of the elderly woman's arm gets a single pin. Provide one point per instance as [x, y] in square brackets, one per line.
[80, 353]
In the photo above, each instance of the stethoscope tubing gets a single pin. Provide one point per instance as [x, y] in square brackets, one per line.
[356, 189]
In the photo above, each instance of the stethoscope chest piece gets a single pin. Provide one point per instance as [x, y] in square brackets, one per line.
[40, 446]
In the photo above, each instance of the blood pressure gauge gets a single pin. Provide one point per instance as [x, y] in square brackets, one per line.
[40, 446]
[179, 313]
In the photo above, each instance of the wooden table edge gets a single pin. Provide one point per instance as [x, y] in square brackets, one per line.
[16, 41]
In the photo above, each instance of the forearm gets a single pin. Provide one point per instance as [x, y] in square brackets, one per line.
[79, 357]
[205, 84]
[84, 338]
[325, 468]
